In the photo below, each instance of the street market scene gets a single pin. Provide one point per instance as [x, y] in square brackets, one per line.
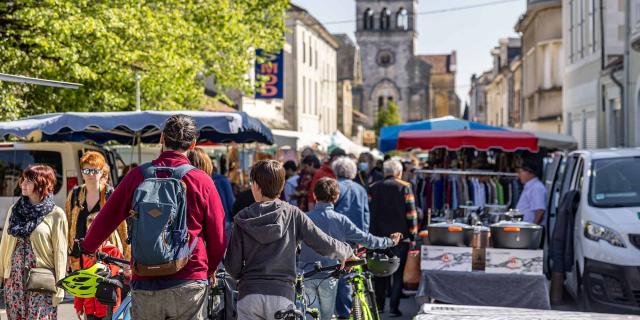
[336, 159]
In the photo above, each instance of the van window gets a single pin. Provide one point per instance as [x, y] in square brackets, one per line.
[13, 162]
[615, 183]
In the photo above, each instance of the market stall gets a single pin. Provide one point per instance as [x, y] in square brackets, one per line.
[473, 242]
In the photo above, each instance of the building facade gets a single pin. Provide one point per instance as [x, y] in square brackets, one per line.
[442, 85]
[478, 97]
[593, 33]
[503, 91]
[386, 34]
[349, 81]
[634, 72]
[310, 103]
[542, 65]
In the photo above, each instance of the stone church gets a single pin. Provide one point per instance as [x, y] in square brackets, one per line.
[391, 71]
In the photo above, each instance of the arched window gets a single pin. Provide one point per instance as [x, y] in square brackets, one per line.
[402, 19]
[385, 19]
[367, 19]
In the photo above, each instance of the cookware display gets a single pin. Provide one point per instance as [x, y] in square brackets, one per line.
[450, 234]
[516, 235]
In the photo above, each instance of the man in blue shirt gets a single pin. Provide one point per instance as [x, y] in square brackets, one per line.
[532, 202]
[322, 291]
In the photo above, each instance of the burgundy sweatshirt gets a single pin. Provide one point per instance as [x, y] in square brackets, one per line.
[205, 218]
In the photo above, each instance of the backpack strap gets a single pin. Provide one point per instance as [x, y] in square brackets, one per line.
[148, 170]
[180, 171]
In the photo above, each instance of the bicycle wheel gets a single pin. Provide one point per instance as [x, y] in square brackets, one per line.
[370, 295]
[356, 309]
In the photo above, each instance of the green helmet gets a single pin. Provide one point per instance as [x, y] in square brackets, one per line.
[83, 283]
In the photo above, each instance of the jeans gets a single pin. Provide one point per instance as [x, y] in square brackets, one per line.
[187, 301]
[384, 285]
[343, 301]
[261, 307]
[322, 295]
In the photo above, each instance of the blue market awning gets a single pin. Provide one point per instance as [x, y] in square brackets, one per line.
[123, 127]
[388, 139]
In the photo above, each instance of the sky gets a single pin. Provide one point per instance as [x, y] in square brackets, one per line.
[472, 32]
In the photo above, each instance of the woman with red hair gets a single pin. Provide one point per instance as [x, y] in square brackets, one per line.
[33, 249]
[87, 199]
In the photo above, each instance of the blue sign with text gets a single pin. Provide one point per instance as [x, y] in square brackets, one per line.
[271, 68]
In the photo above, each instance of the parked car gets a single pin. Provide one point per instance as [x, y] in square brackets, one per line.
[63, 157]
[606, 231]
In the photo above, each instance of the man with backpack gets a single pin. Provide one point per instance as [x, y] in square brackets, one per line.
[176, 222]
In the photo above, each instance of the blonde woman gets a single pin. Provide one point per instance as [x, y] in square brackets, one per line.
[88, 199]
[34, 246]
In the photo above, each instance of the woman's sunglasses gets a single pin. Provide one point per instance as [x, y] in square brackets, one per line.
[91, 171]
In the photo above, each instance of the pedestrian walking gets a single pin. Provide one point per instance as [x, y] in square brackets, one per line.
[33, 249]
[91, 308]
[88, 199]
[354, 204]
[174, 287]
[323, 289]
[291, 182]
[367, 171]
[393, 210]
[264, 241]
[310, 164]
[324, 171]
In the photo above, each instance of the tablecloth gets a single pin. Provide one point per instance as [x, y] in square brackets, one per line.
[484, 289]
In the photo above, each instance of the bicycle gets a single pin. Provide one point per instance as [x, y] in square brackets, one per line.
[222, 298]
[365, 306]
[97, 282]
[300, 310]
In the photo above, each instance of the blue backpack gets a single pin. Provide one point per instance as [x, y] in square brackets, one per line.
[160, 244]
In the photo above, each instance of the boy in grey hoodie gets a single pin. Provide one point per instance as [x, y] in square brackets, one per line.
[262, 251]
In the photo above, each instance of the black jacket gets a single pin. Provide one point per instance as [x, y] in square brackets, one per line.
[393, 208]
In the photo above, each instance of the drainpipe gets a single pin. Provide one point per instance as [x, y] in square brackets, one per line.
[628, 114]
[602, 53]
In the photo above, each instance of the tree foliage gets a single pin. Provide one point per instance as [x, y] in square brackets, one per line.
[173, 44]
[388, 116]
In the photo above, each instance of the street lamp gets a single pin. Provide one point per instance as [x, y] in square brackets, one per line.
[137, 78]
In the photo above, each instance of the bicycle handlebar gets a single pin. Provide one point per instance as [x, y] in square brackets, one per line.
[348, 264]
[110, 259]
[285, 314]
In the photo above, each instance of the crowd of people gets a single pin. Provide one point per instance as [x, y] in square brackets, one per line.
[327, 206]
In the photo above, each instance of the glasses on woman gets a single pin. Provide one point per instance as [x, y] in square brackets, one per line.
[93, 172]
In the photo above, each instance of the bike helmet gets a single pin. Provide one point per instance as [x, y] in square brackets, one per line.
[382, 265]
[83, 283]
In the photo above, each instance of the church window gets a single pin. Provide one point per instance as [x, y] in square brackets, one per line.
[385, 19]
[380, 102]
[402, 19]
[368, 19]
[385, 58]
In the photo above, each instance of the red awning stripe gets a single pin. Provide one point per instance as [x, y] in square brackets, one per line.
[477, 139]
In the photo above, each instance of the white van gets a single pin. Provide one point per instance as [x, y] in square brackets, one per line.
[606, 239]
[63, 157]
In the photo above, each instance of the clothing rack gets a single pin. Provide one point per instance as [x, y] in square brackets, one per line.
[468, 172]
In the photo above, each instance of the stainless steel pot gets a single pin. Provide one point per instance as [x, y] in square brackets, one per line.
[516, 235]
[450, 234]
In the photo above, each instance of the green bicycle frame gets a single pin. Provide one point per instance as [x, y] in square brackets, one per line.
[360, 292]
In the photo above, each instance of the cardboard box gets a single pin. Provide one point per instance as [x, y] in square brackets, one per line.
[514, 261]
[446, 258]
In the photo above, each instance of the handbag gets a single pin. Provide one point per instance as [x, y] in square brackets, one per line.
[41, 280]
[411, 274]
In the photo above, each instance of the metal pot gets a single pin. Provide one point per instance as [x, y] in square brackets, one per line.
[516, 235]
[481, 235]
[450, 234]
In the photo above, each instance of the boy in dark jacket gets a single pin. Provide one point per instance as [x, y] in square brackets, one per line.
[264, 240]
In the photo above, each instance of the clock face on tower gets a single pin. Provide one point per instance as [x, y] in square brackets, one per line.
[385, 58]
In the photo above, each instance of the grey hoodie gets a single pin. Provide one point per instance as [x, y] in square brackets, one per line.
[263, 247]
